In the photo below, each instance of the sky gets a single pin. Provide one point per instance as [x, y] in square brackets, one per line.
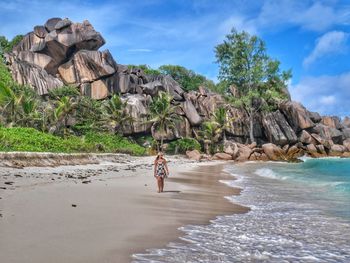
[308, 36]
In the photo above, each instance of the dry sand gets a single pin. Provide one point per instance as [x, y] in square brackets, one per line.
[107, 212]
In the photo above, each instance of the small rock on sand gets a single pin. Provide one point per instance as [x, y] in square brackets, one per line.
[74, 205]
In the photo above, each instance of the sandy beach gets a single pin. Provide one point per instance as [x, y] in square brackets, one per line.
[105, 212]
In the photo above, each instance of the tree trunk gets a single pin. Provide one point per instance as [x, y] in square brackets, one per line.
[251, 127]
[161, 142]
[224, 137]
[206, 147]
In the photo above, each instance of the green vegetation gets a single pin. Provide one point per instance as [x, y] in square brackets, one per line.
[65, 121]
[65, 91]
[163, 115]
[113, 143]
[188, 79]
[245, 65]
[6, 45]
[32, 140]
[115, 114]
[147, 69]
[183, 145]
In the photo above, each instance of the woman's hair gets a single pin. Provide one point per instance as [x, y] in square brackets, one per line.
[158, 155]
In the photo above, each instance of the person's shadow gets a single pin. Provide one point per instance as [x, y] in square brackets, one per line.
[172, 191]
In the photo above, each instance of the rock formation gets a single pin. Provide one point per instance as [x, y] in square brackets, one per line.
[62, 52]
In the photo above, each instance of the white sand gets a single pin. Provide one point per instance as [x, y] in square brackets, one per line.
[117, 214]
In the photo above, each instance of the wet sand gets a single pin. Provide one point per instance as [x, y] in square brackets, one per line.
[105, 213]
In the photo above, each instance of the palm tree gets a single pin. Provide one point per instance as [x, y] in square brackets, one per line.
[209, 134]
[9, 102]
[163, 115]
[115, 113]
[65, 107]
[30, 115]
[222, 120]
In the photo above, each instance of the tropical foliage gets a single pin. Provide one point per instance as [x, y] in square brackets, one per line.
[32, 140]
[183, 145]
[245, 64]
[162, 115]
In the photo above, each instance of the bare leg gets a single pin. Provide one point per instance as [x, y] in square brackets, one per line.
[159, 183]
[162, 184]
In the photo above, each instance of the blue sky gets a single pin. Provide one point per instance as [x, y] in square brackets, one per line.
[310, 37]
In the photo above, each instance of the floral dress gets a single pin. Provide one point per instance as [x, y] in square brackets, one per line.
[160, 170]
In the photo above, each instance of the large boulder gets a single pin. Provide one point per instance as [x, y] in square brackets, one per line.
[193, 155]
[315, 116]
[170, 85]
[306, 138]
[153, 88]
[206, 104]
[244, 153]
[38, 59]
[297, 115]
[328, 133]
[191, 113]
[346, 122]
[277, 129]
[36, 77]
[294, 152]
[346, 143]
[331, 121]
[337, 150]
[231, 148]
[181, 129]
[40, 31]
[273, 152]
[316, 151]
[319, 140]
[88, 66]
[51, 23]
[346, 133]
[30, 42]
[137, 108]
[222, 156]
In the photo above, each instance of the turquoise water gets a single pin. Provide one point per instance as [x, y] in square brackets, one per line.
[327, 179]
[299, 213]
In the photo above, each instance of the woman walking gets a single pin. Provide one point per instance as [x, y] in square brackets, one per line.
[160, 171]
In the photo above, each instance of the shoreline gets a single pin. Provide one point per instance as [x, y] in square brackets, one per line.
[38, 217]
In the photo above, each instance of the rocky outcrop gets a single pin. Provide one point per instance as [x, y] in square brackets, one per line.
[193, 155]
[222, 156]
[297, 116]
[328, 133]
[137, 109]
[331, 121]
[346, 122]
[273, 152]
[278, 130]
[62, 52]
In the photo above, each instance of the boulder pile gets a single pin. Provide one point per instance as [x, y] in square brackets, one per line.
[62, 52]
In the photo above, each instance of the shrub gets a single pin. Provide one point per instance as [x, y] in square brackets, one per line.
[183, 145]
[31, 140]
[113, 143]
[63, 92]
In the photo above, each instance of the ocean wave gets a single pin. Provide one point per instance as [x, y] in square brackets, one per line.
[268, 173]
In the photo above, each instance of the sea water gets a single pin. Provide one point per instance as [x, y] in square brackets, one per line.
[299, 213]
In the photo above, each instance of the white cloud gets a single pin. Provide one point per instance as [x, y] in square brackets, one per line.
[333, 42]
[275, 15]
[328, 100]
[329, 95]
